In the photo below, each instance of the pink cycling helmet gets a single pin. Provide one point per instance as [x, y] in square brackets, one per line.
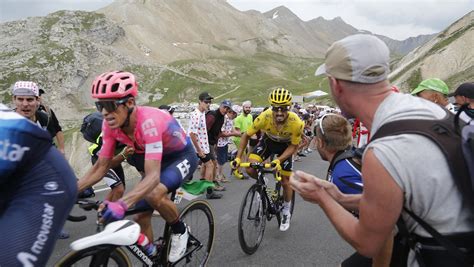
[114, 84]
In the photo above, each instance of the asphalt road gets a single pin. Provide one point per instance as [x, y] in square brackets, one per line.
[310, 241]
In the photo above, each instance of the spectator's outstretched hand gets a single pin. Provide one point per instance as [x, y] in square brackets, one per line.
[310, 187]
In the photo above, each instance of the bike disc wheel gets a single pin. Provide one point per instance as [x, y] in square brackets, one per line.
[199, 219]
[252, 219]
[95, 257]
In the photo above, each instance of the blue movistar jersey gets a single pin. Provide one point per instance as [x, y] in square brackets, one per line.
[22, 144]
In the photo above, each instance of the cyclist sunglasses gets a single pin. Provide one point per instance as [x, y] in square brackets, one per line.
[110, 105]
[280, 108]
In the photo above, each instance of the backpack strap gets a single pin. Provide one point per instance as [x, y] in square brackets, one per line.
[443, 134]
[443, 241]
[341, 155]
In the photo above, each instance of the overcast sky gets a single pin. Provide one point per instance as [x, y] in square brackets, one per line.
[398, 19]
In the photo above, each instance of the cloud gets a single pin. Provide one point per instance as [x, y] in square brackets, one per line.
[432, 14]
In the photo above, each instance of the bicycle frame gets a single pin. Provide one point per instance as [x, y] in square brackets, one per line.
[261, 180]
[137, 250]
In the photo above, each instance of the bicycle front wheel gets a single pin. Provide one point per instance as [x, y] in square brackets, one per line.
[95, 257]
[199, 219]
[252, 219]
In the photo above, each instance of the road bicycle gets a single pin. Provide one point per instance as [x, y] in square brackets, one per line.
[106, 248]
[260, 203]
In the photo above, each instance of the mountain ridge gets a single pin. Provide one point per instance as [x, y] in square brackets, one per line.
[165, 43]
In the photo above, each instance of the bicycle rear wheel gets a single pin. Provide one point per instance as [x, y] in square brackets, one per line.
[95, 256]
[280, 203]
[199, 219]
[252, 219]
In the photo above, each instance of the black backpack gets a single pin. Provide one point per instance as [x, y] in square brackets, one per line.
[446, 135]
[92, 126]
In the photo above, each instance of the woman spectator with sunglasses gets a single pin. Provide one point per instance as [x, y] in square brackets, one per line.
[282, 130]
[164, 154]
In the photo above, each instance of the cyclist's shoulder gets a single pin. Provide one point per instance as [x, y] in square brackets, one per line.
[12, 122]
[294, 122]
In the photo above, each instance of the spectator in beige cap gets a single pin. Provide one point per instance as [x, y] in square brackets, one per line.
[436, 91]
[400, 173]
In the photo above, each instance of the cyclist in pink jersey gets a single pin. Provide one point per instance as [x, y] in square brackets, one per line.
[164, 155]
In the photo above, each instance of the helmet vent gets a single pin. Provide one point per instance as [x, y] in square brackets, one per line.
[104, 89]
[128, 87]
[115, 87]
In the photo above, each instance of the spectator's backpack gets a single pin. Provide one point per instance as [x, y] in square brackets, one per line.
[354, 156]
[92, 126]
[458, 151]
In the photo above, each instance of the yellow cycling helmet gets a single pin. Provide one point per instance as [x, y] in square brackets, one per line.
[280, 97]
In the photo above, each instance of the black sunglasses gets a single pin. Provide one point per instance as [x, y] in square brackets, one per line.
[110, 105]
[207, 101]
[280, 108]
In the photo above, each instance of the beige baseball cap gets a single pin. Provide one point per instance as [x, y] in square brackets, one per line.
[361, 58]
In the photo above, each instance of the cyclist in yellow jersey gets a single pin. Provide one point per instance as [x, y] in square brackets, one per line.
[282, 131]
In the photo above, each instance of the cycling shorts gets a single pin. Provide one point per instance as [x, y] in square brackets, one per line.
[175, 167]
[266, 148]
[114, 177]
[33, 209]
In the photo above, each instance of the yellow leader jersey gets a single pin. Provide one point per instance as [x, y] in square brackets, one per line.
[290, 131]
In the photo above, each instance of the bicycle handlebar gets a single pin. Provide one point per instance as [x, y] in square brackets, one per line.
[88, 204]
[262, 166]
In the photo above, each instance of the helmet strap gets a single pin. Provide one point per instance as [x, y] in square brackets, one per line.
[126, 123]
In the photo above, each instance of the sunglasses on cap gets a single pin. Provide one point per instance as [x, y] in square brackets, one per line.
[280, 108]
[110, 105]
[321, 122]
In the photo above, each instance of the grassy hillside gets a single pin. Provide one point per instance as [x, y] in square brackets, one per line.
[236, 78]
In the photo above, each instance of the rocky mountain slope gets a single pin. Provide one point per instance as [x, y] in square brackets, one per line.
[175, 47]
[448, 56]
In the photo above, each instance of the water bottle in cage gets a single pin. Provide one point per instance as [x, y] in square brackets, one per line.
[147, 246]
[178, 196]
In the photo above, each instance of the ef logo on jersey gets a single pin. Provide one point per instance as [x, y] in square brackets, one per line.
[149, 128]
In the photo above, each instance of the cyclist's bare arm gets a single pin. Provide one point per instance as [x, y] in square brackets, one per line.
[145, 186]
[243, 144]
[95, 174]
[289, 151]
[119, 158]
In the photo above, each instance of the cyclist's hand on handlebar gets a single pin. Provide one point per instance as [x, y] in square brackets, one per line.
[276, 165]
[87, 193]
[235, 163]
[112, 211]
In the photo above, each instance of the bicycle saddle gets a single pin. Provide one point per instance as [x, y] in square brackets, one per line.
[120, 233]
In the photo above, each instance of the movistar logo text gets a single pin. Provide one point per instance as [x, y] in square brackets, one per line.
[11, 152]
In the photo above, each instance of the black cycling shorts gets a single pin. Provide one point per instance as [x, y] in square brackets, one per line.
[175, 168]
[267, 147]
